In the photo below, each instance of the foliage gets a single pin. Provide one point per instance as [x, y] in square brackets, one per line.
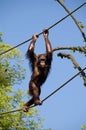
[81, 24]
[11, 72]
[0, 36]
[83, 127]
[10, 69]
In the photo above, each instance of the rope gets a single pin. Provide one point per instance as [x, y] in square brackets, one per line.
[49, 94]
[47, 28]
[63, 84]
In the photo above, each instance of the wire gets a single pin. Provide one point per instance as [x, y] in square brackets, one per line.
[49, 94]
[63, 84]
[47, 28]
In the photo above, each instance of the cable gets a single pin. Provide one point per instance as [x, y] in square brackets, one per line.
[47, 28]
[64, 84]
[49, 94]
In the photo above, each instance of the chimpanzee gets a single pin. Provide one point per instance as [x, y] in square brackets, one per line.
[40, 68]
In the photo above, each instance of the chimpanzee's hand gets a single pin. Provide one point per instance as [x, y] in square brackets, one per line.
[34, 37]
[45, 33]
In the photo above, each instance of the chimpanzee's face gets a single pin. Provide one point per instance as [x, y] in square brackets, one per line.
[42, 60]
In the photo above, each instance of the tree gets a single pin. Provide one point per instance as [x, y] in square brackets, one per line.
[12, 73]
[83, 127]
[76, 48]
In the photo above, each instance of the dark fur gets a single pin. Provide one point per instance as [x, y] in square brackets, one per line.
[39, 72]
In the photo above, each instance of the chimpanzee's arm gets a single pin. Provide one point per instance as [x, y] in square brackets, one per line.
[30, 53]
[48, 45]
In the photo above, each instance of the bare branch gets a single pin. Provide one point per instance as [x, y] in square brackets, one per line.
[64, 55]
[76, 22]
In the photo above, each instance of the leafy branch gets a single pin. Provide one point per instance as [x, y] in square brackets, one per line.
[73, 49]
[65, 55]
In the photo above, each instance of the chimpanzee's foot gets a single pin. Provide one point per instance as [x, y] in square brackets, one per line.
[25, 108]
[38, 102]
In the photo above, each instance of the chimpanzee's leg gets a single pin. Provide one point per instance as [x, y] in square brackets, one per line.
[34, 90]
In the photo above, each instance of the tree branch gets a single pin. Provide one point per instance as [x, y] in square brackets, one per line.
[76, 22]
[75, 64]
[80, 49]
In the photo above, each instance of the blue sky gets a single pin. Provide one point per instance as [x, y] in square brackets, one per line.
[19, 20]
